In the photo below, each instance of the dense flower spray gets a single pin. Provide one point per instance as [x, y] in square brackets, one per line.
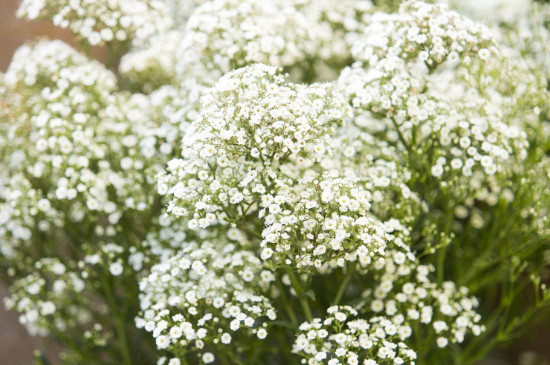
[277, 182]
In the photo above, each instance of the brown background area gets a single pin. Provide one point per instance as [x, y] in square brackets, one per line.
[16, 347]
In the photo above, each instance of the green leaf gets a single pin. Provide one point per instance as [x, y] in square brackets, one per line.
[310, 294]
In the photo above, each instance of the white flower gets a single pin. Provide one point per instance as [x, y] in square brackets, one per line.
[347, 342]
[175, 332]
[437, 170]
[116, 269]
[162, 342]
[208, 358]
[442, 342]
[47, 308]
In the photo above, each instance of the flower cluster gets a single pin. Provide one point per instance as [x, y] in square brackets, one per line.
[376, 166]
[182, 10]
[80, 175]
[204, 297]
[496, 11]
[496, 95]
[403, 76]
[334, 26]
[252, 123]
[327, 222]
[58, 91]
[223, 35]
[100, 22]
[422, 32]
[273, 181]
[84, 146]
[148, 68]
[341, 339]
[405, 294]
[49, 305]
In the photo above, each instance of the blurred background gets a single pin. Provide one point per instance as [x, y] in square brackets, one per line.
[16, 347]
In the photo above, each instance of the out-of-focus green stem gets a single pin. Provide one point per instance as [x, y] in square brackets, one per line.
[300, 293]
[344, 285]
[119, 325]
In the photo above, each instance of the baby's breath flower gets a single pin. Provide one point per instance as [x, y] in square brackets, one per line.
[149, 67]
[377, 166]
[421, 31]
[100, 22]
[405, 289]
[252, 124]
[226, 205]
[45, 297]
[322, 221]
[83, 150]
[334, 25]
[346, 340]
[204, 295]
[406, 59]
[223, 35]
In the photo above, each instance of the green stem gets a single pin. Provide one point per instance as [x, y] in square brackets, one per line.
[113, 53]
[223, 358]
[305, 307]
[300, 293]
[119, 325]
[400, 135]
[443, 250]
[86, 48]
[184, 360]
[480, 346]
[234, 358]
[288, 307]
[344, 285]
